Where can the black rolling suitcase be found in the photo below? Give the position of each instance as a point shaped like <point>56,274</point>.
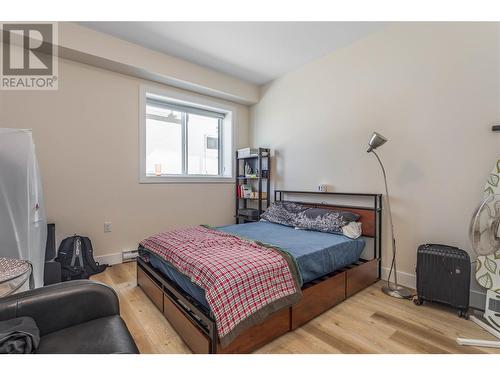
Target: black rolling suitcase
<point>443,275</point>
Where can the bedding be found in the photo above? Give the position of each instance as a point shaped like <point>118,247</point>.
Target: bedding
<point>352,230</point>
<point>323,220</point>
<point>311,218</point>
<point>316,254</point>
<point>244,281</point>
<point>283,213</point>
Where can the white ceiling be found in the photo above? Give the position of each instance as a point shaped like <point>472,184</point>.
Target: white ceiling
<point>257,52</point>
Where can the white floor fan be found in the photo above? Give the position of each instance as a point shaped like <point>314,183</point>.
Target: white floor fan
<point>484,235</point>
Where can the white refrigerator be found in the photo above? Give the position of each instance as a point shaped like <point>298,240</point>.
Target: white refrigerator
<point>23,224</point>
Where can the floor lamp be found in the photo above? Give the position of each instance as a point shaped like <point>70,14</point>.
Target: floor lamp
<point>396,290</point>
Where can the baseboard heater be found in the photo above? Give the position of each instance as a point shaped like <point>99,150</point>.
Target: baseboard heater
<point>129,256</point>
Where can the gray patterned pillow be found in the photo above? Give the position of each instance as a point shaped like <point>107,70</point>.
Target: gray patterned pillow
<point>284,213</point>
<point>323,220</point>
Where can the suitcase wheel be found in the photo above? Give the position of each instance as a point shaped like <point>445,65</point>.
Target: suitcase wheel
<point>463,314</point>
<point>418,301</point>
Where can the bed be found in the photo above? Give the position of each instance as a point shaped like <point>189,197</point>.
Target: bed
<point>329,265</point>
<point>317,254</point>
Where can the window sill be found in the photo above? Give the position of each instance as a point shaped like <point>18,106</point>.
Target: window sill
<point>150,179</point>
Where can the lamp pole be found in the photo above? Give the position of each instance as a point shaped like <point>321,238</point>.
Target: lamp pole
<point>396,291</point>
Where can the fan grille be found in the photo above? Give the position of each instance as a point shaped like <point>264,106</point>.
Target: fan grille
<point>485,224</point>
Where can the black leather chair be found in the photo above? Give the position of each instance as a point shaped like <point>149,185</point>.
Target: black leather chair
<point>80,316</point>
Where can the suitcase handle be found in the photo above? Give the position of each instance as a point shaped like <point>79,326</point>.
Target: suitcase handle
<point>441,245</point>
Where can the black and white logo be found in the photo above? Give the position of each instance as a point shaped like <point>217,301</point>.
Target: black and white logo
<point>29,56</point>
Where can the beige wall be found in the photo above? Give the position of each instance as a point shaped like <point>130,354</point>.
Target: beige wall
<point>86,134</point>
<point>81,44</point>
<point>432,89</point>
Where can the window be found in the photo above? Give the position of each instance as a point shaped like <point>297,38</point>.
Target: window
<point>184,141</point>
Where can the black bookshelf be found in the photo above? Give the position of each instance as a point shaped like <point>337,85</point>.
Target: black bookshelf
<point>261,183</point>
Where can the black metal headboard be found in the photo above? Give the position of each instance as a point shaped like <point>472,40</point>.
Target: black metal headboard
<point>370,215</point>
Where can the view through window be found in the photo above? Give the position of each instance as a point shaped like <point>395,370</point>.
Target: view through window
<point>182,140</point>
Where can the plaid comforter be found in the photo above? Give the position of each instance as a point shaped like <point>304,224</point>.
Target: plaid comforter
<point>244,281</point>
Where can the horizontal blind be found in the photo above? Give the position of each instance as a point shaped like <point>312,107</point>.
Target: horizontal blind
<point>183,108</point>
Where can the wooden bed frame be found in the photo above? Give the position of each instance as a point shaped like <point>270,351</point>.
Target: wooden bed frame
<point>197,327</point>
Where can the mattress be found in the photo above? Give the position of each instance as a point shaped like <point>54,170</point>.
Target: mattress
<point>317,254</point>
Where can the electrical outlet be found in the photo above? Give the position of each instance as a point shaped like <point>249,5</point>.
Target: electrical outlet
<point>322,188</point>
<point>107,227</point>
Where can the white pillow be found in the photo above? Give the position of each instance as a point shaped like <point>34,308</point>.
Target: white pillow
<point>352,230</point>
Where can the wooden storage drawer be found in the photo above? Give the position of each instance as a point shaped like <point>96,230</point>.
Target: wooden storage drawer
<point>318,298</point>
<point>361,276</point>
<point>254,337</point>
<point>197,341</point>
<point>152,290</point>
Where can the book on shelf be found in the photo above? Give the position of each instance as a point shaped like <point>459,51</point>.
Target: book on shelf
<point>246,191</point>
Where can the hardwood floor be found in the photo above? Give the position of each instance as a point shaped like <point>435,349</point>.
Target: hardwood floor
<point>368,322</point>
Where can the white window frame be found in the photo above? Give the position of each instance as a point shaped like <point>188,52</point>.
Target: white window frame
<point>193,101</point>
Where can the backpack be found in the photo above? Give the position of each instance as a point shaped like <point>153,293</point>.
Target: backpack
<point>77,259</point>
